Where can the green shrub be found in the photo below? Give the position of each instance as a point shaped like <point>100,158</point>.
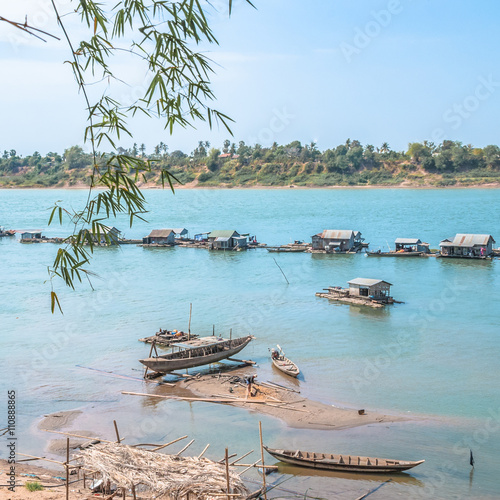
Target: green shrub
<point>33,486</point>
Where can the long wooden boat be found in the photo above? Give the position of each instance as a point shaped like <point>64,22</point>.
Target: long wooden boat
<point>209,351</point>
<point>394,254</point>
<point>346,463</point>
<point>282,363</point>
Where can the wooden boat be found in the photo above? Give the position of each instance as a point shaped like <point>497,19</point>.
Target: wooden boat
<point>282,363</point>
<point>346,463</point>
<point>393,253</point>
<point>199,352</point>
<point>285,249</point>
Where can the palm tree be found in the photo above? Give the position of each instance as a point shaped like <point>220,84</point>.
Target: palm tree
<point>385,148</point>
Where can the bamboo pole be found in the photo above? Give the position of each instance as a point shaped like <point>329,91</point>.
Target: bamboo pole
<point>41,458</point>
<point>78,436</point>
<point>189,325</point>
<point>117,433</point>
<point>185,447</point>
<point>207,400</point>
<point>150,353</point>
<point>168,444</point>
<point>67,468</point>
<point>227,475</point>
<point>249,467</point>
<point>262,455</point>
<point>204,450</point>
<point>242,457</point>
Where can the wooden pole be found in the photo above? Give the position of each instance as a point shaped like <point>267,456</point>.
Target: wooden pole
<point>185,447</point>
<point>262,457</point>
<point>189,325</point>
<point>150,353</point>
<point>67,468</point>
<point>133,492</point>
<point>169,443</point>
<point>230,333</point>
<point>283,275</point>
<point>227,475</point>
<point>242,457</point>
<point>213,330</point>
<point>117,434</point>
<point>204,450</point>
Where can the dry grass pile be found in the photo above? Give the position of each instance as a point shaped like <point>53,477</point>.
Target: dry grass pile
<point>162,475</point>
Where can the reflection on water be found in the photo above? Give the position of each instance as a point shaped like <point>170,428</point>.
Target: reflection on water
<point>401,477</point>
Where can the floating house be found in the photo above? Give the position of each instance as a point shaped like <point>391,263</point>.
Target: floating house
<point>362,291</point>
<point>108,235</point>
<point>160,237</point>
<point>31,235</point>
<point>411,245</point>
<point>473,246</point>
<point>372,288</point>
<point>226,240</point>
<point>181,232</point>
<point>337,240</point>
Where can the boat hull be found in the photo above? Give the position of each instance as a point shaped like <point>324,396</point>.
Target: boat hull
<point>395,254</point>
<point>349,463</point>
<point>286,366</point>
<point>195,357</point>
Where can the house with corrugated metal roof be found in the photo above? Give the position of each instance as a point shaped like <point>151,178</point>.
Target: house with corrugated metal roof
<point>362,291</point>
<point>226,240</point>
<point>411,245</point>
<point>31,235</point>
<point>373,288</point>
<point>180,232</point>
<point>475,246</point>
<point>337,240</point>
<point>160,237</point>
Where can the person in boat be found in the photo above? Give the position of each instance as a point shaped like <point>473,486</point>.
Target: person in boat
<point>274,354</point>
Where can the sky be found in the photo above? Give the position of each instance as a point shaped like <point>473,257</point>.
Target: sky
<point>395,71</point>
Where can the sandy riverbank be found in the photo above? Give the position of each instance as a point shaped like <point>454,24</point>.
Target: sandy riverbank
<point>46,476</point>
<point>286,404</point>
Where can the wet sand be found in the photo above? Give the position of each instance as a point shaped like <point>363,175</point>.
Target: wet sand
<point>288,406</point>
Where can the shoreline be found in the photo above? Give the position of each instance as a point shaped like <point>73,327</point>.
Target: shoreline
<point>190,186</point>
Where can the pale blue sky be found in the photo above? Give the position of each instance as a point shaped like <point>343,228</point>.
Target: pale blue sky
<point>391,71</point>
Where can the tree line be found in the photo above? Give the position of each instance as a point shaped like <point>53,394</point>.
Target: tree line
<point>233,163</point>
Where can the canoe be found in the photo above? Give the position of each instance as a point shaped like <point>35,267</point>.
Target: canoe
<point>346,463</point>
<point>395,254</point>
<point>282,363</point>
<point>208,352</point>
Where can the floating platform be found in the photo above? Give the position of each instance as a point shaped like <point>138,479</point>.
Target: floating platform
<point>341,295</point>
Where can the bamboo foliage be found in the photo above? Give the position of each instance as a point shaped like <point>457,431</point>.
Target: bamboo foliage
<point>163,37</point>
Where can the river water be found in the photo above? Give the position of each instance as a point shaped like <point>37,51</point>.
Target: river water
<point>433,358</point>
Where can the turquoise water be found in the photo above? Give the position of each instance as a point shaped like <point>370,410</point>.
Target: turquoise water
<point>435,357</point>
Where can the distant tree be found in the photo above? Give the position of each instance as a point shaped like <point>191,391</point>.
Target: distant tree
<point>142,149</point>
<point>13,153</point>
<point>226,145</point>
<point>385,148</point>
<point>213,159</point>
<point>74,157</point>
<point>418,151</point>
<point>5,154</point>
<point>491,156</point>
<point>178,155</point>
<point>134,151</point>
